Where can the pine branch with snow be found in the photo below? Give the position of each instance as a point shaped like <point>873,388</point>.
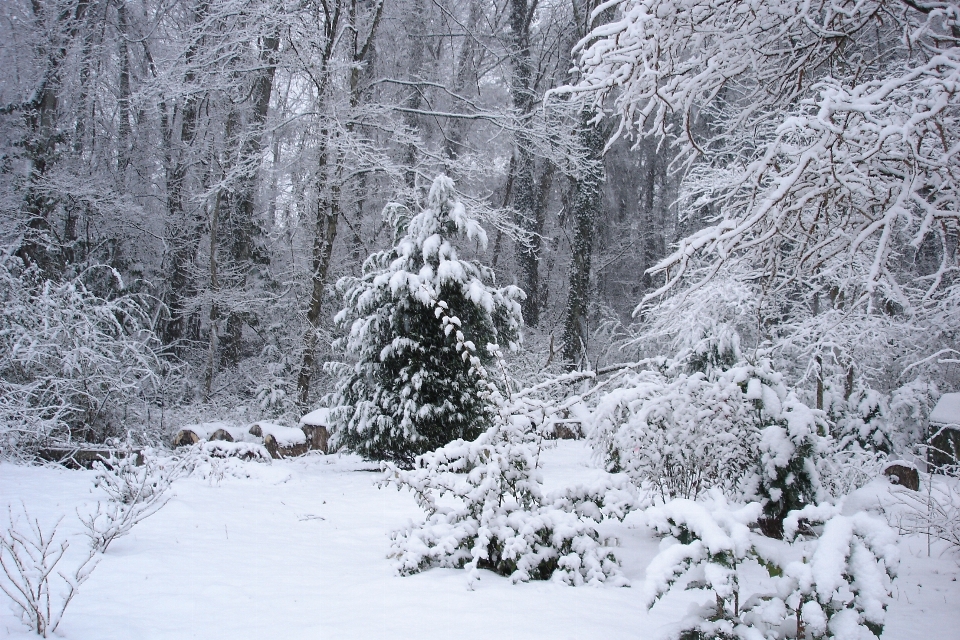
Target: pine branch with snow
<point>834,581</point>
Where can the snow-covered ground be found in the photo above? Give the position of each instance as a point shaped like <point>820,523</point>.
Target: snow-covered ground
<point>298,550</point>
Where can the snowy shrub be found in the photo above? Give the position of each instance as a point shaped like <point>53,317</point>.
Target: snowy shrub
<point>934,511</point>
<point>135,492</point>
<point>738,429</point>
<point>29,556</point>
<point>886,423</point>
<point>843,471</point>
<point>217,459</point>
<point>486,510</point>
<point>69,360</point>
<point>868,427</point>
<point>411,389</point>
<point>680,436</point>
<point>910,404</point>
<point>862,421</point>
<point>241,450</point>
<point>792,449</point>
<point>836,583</point>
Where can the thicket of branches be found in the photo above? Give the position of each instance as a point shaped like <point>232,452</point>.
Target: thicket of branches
<point>200,173</point>
<point>222,164</point>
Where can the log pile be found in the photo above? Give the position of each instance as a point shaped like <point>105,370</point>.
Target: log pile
<point>279,441</point>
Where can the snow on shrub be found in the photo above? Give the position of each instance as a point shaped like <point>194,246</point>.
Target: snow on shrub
<point>875,421</point>
<point>30,565</point>
<point>737,429</point>
<point>934,511</point>
<point>832,581</point>
<point>862,420</point>
<point>486,509</point>
<point>679,436</point>
<point>241,450</point>
<point>69,359</point>
<point>136,489</point>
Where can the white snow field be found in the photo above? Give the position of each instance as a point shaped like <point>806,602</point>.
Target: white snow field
<point>298,550</point>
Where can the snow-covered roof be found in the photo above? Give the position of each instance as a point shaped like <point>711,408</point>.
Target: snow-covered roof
<point>947,410</point>
<point>317,418</point>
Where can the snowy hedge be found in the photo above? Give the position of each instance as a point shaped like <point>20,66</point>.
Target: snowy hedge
<point>70,361</point>
<point>737,429</point>
<point>486,509</point>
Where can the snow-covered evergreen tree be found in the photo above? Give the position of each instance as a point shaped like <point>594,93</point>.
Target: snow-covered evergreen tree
<point>830,576</point>
<point>411,389</point>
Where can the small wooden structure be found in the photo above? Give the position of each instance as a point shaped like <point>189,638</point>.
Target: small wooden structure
<point>944,440</point>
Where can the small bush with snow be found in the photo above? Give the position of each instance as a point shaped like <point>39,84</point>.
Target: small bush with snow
<point>134,492</point>
<point>29,558</point>
<point>699,423</point>
<point>831,580</point>
<point>70,360</point>
<point>870,420</point>
<point>501,519</point>
<point>240,450</point>
<point>934,511</point>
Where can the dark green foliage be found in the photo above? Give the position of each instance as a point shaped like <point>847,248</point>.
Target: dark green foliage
<point>412,389</point>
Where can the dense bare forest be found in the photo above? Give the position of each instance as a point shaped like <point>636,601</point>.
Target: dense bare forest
<point>185,182</point>
<point>270,243</point>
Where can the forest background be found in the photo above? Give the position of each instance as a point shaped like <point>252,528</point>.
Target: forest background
<point>183,182</point>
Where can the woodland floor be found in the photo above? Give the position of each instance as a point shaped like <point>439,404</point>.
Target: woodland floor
<point>298,550</point>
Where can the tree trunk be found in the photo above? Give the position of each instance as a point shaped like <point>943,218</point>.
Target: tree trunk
<point>183,228</point>
<point>587,203</point>
<point>123,100</point>
<point>40,246</point>
<point>528,201</point>
<point>214,311</point>
<point>466,72</point>
<point>243,248</point>
<point>328,209</point>
<point>328,214</point>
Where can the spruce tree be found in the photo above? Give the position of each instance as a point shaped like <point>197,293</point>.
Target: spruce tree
<point>411,390</point>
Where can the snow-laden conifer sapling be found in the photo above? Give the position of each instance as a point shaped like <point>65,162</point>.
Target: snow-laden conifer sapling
<point>503,520</point>
<point>833,581</point>
<point>410,390</point>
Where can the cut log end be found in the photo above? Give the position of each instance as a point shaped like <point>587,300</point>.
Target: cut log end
<point>567,431</point>
<point>276,450</point>
<point>221,434</point>
<point>185,438</point>
<point>317,437</point>
<point>903,475</point>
